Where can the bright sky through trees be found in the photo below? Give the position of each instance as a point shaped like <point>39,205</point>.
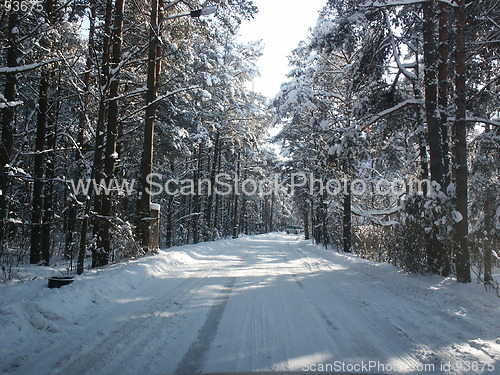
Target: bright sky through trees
<point>281,24</point>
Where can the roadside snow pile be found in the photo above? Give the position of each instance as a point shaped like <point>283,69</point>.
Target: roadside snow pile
<point>30,310</point>
<point>444,292</point>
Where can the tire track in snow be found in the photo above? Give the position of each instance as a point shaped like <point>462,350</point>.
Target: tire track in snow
<point>113,348</point>
<point>131,336</point>
<point>447,336</point>
<point>356,317</point>
<point>193,360</point>
<point>327,320</point>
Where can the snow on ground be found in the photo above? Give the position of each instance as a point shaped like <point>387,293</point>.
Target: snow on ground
<point>268,302</point>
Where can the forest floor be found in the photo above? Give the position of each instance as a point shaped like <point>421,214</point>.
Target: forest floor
<point>270,302</point>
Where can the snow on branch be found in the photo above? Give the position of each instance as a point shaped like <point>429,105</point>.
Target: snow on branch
<point>372,215</point>
<point>160,98</point>
<point>478,119</point>
<point>127,95</point>
<point>171,4</point>
<point>25,68</point>
<point>486,86</point>
<point>483,120</point>
<point>410,75</point>
<point>7,104</point>
<point>391,110</point>
<point>483,42</point>
<point>392,3</point>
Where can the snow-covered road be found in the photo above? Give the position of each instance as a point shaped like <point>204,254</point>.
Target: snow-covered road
<point>268,302</point>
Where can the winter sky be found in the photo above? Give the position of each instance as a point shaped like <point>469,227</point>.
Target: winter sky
<point>281,24</point>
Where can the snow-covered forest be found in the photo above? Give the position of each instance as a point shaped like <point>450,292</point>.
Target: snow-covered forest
<point>198,226</point>
<point>401,91</point>
<point>101,89</point>
<point>112,91</point>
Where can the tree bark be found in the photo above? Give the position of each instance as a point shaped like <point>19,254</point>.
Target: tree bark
<point>436,247</point>
<point>444,256</point>
<point>104,237</point>
<point>96,172</point>
<point>324,218</point>
<point>73,206</point>
<point>271,213</point>
<point>443,85</point>
<point>210,198</point>
<point>431,93</point>
<point>48,214</point>
<point>347,222</point>
<point>217,196</point>
<point>306,223</point>
<point>462,258</point>
<point>317,220</point>
<point>147,152</point>
<point>8,118</point>
<point>37,203</point>
<point>422,144</point>
<point>98,162</point>
<point>236,212</point>
<point>42,196</point>
<point>169,220</point>
<point>195,219</point>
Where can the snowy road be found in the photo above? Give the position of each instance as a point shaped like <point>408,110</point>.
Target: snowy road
<point>268,302</point>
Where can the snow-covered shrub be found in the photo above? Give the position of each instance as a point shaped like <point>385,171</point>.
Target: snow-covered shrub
<point>413,234</point>
<point>375,242</point>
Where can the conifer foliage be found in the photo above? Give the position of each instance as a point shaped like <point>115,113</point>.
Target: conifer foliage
<point>400,92</point>
<point>85,85</point>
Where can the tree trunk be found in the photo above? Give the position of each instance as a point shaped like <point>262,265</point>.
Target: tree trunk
<point>105,82</point>
<point>317,231</point>
<point>443,90</point>
<point>431,93</point>
<point>195,219</point>
<point>104,237</point>
<point>462,258</point>
<point>306,224</point>
<point>210,198</point>
<point>37,203</point>
<point>49,175</point>
<point>217,218</point>
<point>169,220</point>
<point>73,206</point>
<point>96,173</point>
<point>243,224</point>
<point>264,206</point>
<point>236,212</point>
<point>422,140</point>
<point>8,119</point>
<point>436,247</point>
<point>271,213</point>
<point>147,152</point>
<point>324,218</point>
<point>347,222</point>
<point>444,256</point>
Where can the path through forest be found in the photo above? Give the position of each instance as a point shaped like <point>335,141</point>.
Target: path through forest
<point>267,302</point>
